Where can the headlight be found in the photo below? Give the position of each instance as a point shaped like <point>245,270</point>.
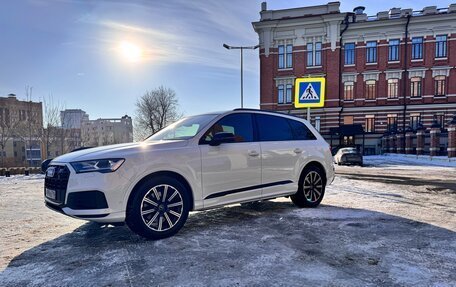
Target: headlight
<point>98,165</point>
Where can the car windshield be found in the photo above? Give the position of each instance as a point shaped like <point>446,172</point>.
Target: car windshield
<point>183,129</point>
<point>349,150</point>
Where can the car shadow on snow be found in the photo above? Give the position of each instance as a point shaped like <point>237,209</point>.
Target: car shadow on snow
<point>267,243</point>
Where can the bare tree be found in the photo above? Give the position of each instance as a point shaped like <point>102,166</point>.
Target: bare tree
<point>8,127</point>
<point>155,110</point>
<point>49,135</point>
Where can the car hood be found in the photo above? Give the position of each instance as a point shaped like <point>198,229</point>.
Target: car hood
<point>119,150</point>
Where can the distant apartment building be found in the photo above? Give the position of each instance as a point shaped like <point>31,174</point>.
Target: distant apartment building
<point>21,123</point>
<point>107,131</point>
<point>72,118</point>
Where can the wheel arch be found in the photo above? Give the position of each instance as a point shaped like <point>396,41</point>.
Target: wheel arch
<point>173,174</point>
<point>313,164</point>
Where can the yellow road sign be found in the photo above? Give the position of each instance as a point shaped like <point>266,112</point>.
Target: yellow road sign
<point>310,92</point>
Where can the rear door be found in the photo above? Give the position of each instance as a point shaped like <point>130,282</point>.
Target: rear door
<point>280,154</point>
<point>231,172</point>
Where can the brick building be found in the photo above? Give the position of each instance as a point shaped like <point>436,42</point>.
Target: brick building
<point>385,73</point>
<point>20,126</point>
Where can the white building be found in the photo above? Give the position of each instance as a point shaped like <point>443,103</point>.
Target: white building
<point>107,131</point>
<point>72,118</point>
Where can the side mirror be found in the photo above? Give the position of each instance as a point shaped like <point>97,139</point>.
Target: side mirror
<point>222,137</point>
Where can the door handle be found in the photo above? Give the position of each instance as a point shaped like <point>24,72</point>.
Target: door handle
<point>253,153</point>
<point>298,150</point>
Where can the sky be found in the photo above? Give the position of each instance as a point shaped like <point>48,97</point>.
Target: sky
<point>101,56</point>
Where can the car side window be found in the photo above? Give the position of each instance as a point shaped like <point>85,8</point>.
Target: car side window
<point>301,131</point>
<point>273,128</point>
<point>240,125</point>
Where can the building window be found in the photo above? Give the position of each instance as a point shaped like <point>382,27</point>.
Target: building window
<point>348,120</point>
<point>440,82</point>
<point>369,124</point>
<point>318,54</point>
<point>393,88</point>
<point>415,87</point>
<point>349,50</point>
<point>370,89</point>
<point>441,46</point>
<point>393,50</point>
<point>314,54</point>
<point>417,48</point>
<point>289,92</point>
<point>371,52</point>
<point>440,118</point>
<point>415,119</point>
<point>348,91</point>
<point>391,122</point>
<point>310,54</point>
<point>280,99</point>
<point>289,56</point>
<point>281,57</point>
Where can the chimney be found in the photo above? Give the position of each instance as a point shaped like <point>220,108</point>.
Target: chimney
<point>264,6</point>
<point>359,10</point>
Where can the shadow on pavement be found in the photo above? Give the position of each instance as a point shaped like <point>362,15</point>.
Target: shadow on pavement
<point>268,243</point>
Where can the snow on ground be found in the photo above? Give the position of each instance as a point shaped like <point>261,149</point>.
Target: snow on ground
<point>389,223</point>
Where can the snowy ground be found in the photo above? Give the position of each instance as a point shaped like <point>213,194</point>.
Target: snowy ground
<point>390,223</point>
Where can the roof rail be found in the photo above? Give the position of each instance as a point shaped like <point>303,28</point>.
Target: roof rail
<point>267,111</point>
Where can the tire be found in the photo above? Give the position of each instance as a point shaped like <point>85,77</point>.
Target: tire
<point>158,208</point>
<point>311,188</point>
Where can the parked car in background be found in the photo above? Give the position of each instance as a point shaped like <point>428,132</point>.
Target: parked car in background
<point>348,155</point>
<point>199,162</point>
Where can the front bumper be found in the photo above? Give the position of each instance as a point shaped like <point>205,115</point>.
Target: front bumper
<point>90,196</point>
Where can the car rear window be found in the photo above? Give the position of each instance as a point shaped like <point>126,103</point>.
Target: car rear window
<point>301,131</point>
<point>273,128</point>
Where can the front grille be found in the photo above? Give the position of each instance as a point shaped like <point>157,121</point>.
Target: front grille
<point>58,182</point>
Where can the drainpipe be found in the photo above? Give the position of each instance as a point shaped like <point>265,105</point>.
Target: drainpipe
<point>404,85</point>
<point>347,23</point>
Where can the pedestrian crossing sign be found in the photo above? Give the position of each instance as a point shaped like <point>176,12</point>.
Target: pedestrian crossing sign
<point>309,92</point>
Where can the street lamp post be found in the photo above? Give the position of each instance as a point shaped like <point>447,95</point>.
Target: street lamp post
<point>242,60</point>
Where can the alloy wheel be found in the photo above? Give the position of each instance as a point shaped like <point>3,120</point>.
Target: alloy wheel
<point>313,186</point>
<point>161,207</point>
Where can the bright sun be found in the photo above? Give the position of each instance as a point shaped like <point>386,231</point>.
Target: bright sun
<point>130,51</point>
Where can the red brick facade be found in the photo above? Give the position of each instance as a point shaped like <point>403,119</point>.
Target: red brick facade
<point>425,107</point>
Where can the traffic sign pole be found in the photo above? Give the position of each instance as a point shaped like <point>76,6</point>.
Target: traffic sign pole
<point>308,114</point>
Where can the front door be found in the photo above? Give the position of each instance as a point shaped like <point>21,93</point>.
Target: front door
<point>231,171</point>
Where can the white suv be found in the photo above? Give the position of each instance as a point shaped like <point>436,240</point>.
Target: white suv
<point>199,162</point>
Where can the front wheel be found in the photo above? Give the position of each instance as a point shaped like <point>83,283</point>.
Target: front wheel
<point>159,208</point>
<point>311,188</point>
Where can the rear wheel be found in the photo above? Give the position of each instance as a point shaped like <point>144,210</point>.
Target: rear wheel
<point>159,208</point>
<point>311,188</point>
